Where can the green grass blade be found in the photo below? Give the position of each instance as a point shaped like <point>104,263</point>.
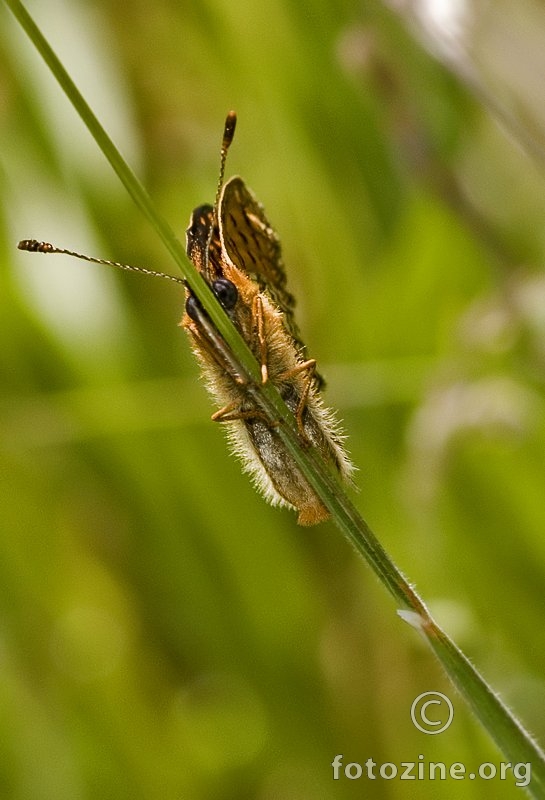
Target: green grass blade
<point>509,735</point>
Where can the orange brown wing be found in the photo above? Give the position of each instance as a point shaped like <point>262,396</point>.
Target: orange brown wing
<point>252,245</point>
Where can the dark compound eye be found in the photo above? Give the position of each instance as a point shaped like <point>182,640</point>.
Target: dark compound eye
<point>226,292</point>
<point>193,308</point>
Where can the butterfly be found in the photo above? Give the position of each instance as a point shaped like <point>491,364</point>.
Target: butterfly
<point>236,250</point>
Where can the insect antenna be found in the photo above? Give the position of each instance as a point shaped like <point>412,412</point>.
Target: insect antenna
<point>228,135</point>
<point>33,246</point>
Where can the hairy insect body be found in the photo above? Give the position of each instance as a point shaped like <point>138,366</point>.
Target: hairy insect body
<point>262,324</point>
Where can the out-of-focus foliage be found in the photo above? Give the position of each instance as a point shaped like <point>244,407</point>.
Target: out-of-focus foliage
<point>164,634</point>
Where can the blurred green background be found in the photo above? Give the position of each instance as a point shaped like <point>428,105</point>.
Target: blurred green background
<point>163,632</point>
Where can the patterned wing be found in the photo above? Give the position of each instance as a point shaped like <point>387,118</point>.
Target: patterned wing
<point>253,246</point>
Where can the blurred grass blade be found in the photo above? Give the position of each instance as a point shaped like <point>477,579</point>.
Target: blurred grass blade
<point>509,735</point>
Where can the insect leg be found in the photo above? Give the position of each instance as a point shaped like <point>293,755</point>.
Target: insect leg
<point>257,312</point>
<point>310,368</point>
<point>232,412</point>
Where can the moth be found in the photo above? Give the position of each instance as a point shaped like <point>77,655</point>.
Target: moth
<point>238,253</point>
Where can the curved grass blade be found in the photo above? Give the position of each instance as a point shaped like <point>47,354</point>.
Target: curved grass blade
<point>508,733</point>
